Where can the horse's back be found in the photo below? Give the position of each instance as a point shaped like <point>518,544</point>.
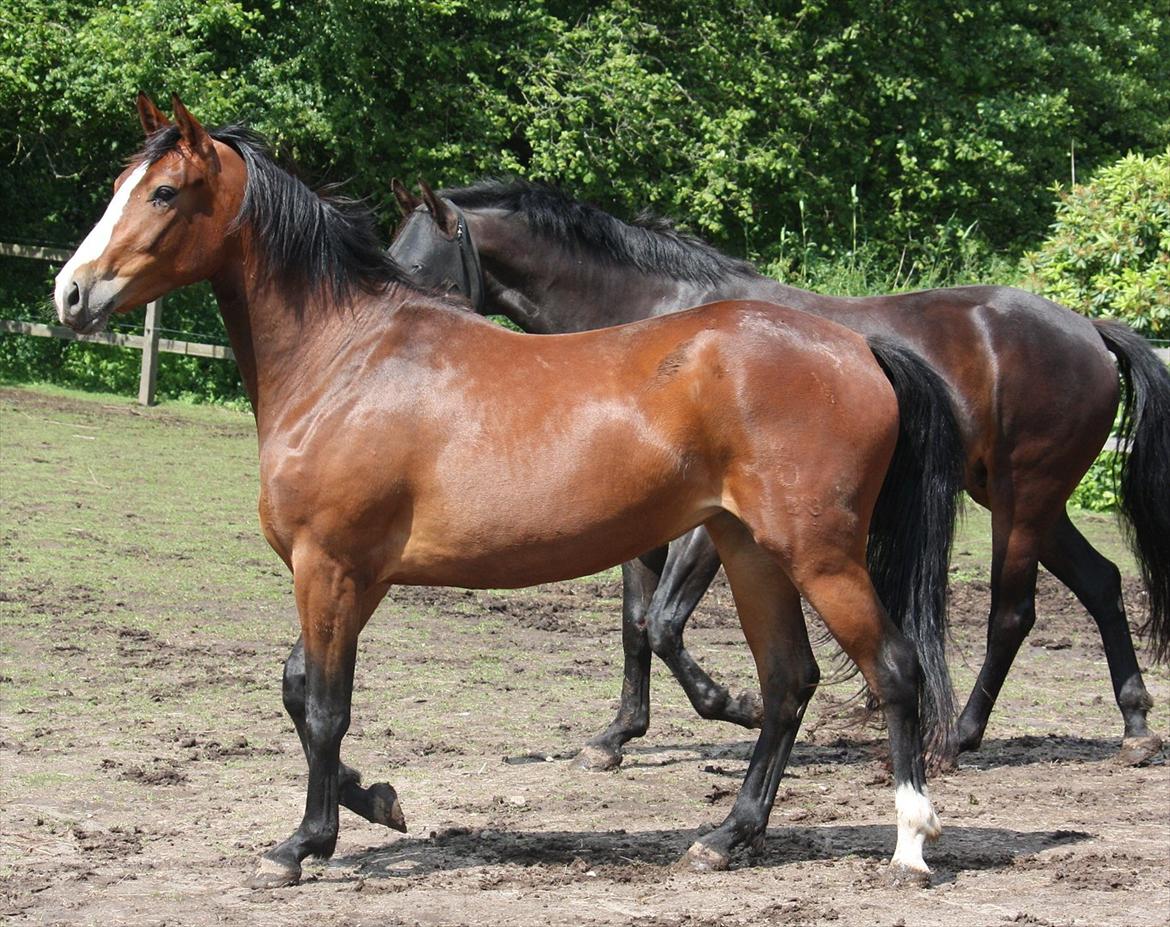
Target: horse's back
<point>1027,375</point>
<point>518,457</point>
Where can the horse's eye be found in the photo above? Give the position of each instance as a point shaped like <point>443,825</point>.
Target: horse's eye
<point>163,195</point>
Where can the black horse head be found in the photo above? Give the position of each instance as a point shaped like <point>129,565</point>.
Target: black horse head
<point>434,246</point>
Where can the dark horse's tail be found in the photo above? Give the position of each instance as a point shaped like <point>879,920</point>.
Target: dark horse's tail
<point>1144,469</point>
<point>913,526</point>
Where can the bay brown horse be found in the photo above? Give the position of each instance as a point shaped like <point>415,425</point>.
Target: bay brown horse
<point>1034,385</point>
<point>405,440</point>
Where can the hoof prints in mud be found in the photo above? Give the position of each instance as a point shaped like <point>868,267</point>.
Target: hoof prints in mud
<point>114,843</point>
<point>158,772</point>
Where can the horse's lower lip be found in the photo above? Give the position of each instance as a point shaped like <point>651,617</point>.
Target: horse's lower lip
<point>94,325</point>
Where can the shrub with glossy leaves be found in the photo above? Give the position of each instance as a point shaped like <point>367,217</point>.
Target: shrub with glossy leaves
<point>1108,254</point>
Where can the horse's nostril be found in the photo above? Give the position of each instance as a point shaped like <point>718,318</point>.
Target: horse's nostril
<point>74,296</point>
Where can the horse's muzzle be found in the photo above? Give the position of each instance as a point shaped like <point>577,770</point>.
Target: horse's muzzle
<point>84,303</point>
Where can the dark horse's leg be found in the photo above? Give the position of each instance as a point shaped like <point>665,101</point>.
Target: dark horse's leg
<point>377,803</point>
<point>1014,562</point>
<point>658,599</point>
<point>770,613</point>
<point>691,566</point>
<point>1097,583</point>
<point>1020,538</point>
<point>639,579</point>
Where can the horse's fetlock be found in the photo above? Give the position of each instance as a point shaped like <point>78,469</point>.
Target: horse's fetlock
<point>712,705</point>
<point>1134,697</point>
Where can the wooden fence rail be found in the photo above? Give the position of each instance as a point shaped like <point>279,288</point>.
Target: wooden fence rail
<point>150,342</point>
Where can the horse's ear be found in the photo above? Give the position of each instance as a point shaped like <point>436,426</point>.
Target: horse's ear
<point>444,217</point>
<point>195,135</point>
<point>407,201</point>
<point>151,117</point>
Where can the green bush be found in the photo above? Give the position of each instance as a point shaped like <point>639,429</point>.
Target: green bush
<point>1108,254</point>
<point>1097,488</point>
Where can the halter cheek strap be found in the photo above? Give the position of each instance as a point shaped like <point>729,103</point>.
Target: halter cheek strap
<point>472,285</point>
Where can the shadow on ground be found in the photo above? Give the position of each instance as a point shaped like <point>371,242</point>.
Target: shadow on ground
<point>612,853</point>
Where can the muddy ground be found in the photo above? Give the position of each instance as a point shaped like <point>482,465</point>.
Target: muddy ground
<point>145,762</point>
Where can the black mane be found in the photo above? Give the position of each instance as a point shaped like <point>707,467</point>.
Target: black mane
<point>650,243</point>
<point>314,240</point>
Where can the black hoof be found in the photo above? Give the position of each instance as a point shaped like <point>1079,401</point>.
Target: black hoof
<point>385,808</point>
<point>594,758</point>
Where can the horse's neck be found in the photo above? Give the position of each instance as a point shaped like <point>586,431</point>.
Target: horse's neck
<point>544,289</point>
<point>547,290</point>
<point>281,344</point>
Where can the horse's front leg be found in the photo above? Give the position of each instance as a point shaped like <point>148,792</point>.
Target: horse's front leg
<point>639,579</point>
<point>377,803</point>
<point>334,605</point>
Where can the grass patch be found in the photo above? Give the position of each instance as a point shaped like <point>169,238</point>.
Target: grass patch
<point>971,554</point>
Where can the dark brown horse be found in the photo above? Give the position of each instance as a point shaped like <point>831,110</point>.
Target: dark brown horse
<point>405,440</point>
<point>1035,385</point>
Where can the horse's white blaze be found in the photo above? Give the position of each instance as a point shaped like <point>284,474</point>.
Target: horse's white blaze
<point>917,822</point>
<point>98,239</point>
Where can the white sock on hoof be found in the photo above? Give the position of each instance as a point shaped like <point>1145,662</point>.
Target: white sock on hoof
<point>917,822</point>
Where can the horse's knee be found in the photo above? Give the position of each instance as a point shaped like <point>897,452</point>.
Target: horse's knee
<point>327,722</point>
<point>789,689</point>
<point>665,639</point>
<point>293,690</point>
<point>1015,622</point>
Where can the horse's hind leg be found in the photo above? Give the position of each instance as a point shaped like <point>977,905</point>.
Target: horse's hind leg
<point>769,610</point>
<point>639,579</point>
<point>690,568</point>
<point>1097,583</point>
<point>377,803</point>
<point>839,588</point>
<point>1015,557</point>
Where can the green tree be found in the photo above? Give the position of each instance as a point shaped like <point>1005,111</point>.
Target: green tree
<point>918,128</point>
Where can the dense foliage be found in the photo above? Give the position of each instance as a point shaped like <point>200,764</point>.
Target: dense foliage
<point>919,135</point>
<point>1108,253</point>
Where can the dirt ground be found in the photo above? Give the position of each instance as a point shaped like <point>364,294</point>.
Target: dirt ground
<point>146,761</point>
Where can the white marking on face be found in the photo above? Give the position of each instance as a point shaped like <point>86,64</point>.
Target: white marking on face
<point>98,239</point>
<point>917,823</point>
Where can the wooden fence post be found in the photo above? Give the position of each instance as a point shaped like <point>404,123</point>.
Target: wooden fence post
<point>150,334</point>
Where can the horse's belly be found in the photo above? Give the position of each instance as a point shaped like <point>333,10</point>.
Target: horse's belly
<point>550,525</point>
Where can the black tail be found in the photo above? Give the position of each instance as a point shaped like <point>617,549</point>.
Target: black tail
<point>1144,465</point>
<point>913,526</point>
